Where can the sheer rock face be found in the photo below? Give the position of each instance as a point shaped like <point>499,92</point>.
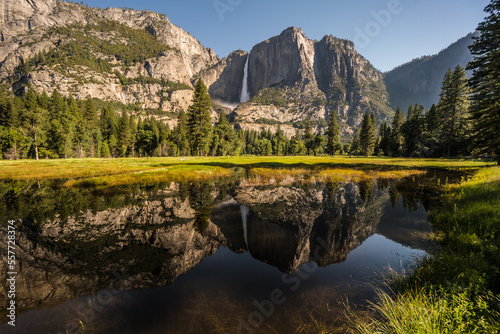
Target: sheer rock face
<point>287,58</point>
<point>225,79</point>
<point>310,78</point>
<point>23,27</point>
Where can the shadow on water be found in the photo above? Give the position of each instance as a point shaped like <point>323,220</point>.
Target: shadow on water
<point>234,256</point>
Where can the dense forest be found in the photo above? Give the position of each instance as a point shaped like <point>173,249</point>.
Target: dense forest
<point>465,122</point>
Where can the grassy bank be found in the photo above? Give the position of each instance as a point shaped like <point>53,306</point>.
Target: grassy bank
<point>137,170</point>
<point>458,289</point>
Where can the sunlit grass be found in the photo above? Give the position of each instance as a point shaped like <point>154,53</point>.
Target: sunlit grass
<point>419,312</point>
<point>175,173</point>
<point>457,290</point>
<point>137,170</point>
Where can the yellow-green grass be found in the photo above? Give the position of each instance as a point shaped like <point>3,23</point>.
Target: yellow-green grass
<point>457,290</point>
<point>333,174</point>
<point>126,170</point>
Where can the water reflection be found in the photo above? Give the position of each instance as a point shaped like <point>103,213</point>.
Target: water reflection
<point>236,240</point>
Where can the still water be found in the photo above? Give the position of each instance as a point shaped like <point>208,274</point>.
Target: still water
<point>232,256</point>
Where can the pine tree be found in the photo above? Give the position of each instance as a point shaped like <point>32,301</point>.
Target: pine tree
<point>333,135</point>
<point>384,140</point>
<point>295,144</point>
<point>318,144</point>
<point>414,131</point>
<point>309,138</point>
<point>34,120</point>
<point>224,137</point>
<point>397,138</point>
<point>105,150</point>
<point>485,83</point>
<point>279,142</point>
<point>133,134</point>
<point>124,135</point>
<point>368,134</point>
<point>180,135</point>
<point>454,112</point>
<point>432,124</point>
<point>198,118</point>
<point>90,113</point>
<point>355,146</point>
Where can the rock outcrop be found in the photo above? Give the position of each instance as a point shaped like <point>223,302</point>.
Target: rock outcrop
<point>292,79</point>
<point>30,28</point>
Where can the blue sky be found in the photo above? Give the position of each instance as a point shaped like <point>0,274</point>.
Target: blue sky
<point>387,32</point>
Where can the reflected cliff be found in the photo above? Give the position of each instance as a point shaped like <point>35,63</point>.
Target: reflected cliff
<point>78,241</point>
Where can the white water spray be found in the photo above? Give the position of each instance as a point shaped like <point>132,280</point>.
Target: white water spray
<point>245,95</point>
<point>244,218</point>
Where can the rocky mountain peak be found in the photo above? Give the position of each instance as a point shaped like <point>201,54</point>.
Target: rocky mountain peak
<point>292,78</point>
<point>147,59</point>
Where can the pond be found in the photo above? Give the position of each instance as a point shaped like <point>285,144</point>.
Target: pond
<point>227,256</point>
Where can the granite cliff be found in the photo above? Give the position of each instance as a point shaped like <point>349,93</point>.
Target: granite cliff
<point>292,79</point>
<point>85,51</point>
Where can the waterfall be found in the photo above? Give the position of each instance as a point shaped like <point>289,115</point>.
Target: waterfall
<point>245,95</point>
<point>244,218</point>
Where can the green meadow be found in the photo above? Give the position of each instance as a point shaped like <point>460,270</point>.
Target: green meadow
<point>137,170</point>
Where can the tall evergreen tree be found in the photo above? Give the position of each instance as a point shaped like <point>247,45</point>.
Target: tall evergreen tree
<point>133,134</point>
<point>309,138</point>
<point>355,145</point>
<point>279,142</point>
<point>485,83</point>
<point>453,109</point>
<point>90,113</point>
<point>34,120</point>
<point>432,121</point>
<point>198,119</point>
<point>332,135</point>
<point>384,140</point>
<point>318,144</point>
<point>224,136</point>
<point>124,135</point>
<point>368,134</point>
<point>180,136</point>
<point>397,137</point>
<point>414,131</point>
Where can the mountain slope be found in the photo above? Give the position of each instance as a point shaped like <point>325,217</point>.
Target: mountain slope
<point>419,81</point>
<point>134,57</point>
<point>139,58</point>
<point>292,79</point>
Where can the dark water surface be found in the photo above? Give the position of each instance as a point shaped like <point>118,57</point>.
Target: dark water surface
<point>219,257</point>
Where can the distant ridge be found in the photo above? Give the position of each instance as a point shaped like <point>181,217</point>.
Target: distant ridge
<point>419,81</point>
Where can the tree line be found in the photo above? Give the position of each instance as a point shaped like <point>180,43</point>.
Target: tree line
<point>445,130</point>
<point>41,126</point>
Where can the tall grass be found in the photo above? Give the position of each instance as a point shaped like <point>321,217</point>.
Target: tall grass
<point>457,290</point>
<point>435,312</point>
